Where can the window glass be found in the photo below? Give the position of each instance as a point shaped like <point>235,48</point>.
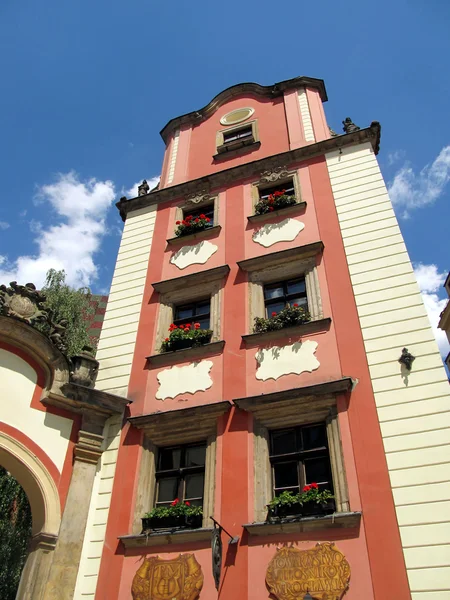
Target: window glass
<point>195,456</point>
<point>167,489</point>
<point>286,475</point>
<point>273,291</point>
<point>181,474</point>
<point>317,471</point>
<point>296,286</point>
<point>314,437</point>
<point>194,486</point>
<point>196,312</point>
<point>207,210</point>
<point>287,186</point>
<point>285,293</point>
<point>169,458</point>
<point>284,441</point>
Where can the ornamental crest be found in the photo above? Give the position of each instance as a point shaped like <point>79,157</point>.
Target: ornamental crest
<point>274,175</point>
<point>180,578</point>
<point>26,303</point>
<point>198,197</point>
<point>322,571</point>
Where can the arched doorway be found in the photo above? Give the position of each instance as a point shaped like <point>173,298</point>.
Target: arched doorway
<point>43,499</point>
<point>15,533</point>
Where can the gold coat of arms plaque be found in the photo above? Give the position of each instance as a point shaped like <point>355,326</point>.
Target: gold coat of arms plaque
<point>180,578</point>
<point>322,571</point>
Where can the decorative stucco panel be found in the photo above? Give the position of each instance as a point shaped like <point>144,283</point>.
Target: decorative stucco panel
<point>285,360</point>
<point>184,380</point>
<point>191,255</point>
<point>272,233</point>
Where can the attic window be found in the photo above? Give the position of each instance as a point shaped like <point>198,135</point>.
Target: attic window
<point>237,116</point>
<point>236,138</point>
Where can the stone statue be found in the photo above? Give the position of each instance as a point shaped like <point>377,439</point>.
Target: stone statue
<point>144,188</point>
<point>332,132</point>
<point>349,126</point>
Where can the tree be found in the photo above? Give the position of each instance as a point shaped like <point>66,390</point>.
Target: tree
<point>15,532</point>
<point>72,305</point>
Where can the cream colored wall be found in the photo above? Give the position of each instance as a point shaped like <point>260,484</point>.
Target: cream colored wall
<point>17,385</point>
<point>173,157</point>
<point>306,115</point>
<point>414,413</point>
<point>115,353</point>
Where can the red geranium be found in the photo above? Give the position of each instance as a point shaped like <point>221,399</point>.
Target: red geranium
<point>175,502</point>
<point>314,486</point>
<point>187,503</point>
<point>178,222</point>
<point>274,314</point>
<point>307,488</point>
<point>166,340</point>
<point>197,325</point>
<point>202,216</point>
<point>295,305</point>
<point>207,219</point>
<point>271,208</point>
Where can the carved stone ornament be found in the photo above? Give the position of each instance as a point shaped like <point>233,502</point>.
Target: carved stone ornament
<point>143,189</point>
<point>198,197</point>
<point>274,175</point>
<point>25,303</point>
<point>180,578</point>
<point>323,572</point>
<point>332,132</point>
<point>84,368</point>
<point>349,126</point>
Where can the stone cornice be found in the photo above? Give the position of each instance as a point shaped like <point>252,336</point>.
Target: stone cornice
<point>253,169</point>
<point>81,400</point>
<point>266,91</point>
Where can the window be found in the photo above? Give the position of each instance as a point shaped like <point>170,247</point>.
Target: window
<point>287,186</point>
<point>286,293</point>
<point>237,137</point>
<point>181,474</point>
<point>300,456</point>
<point>196,312</point>
<point>207,211</point>
<point>237,134</point>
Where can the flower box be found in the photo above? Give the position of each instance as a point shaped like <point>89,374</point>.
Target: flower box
<point>276,201</point>
<point>171,522</point>
<point>290,316</point>
<point>192,224</point>
<point>310,502</point>
<point>184,336</point>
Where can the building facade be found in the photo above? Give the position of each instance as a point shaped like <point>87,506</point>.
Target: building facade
<point>444,321</point>
<point>292,275</point>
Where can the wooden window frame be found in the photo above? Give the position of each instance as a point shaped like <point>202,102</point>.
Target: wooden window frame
<point>186,289</point>
<point>262,467</point>
<point>222,147</point>
<point>174,428</point>
<point>191,320</point>
<point>199,202</point>
<point>281,266</point>
<point>285,177</point>
<point>181,473</point>
<point>286,297</point>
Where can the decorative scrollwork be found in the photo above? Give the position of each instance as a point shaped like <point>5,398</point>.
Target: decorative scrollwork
<point>198,197</point>
<point>274,175</point>
<point>27,304</point>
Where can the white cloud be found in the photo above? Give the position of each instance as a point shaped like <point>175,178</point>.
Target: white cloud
<point>71,243</point>
<point>4,225</point>
<point>133,191</point>
<point>409,190</point>
<point>430,282</point>
<point>395,156</point>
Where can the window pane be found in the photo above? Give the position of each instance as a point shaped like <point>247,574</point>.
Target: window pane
<point>194,486</point>
<point>302,302</point>
<point>273,291</point>
<point>317,470</point>
<point>296,287</point>
<point>204,322</point>
<point>275,307</point>
<point>167,489</point>
<point>314,437</point>
<point>195,456</point>
<point>202,308</point>
<point>286,474</point>
<point>184,312</point>
<point>283,442</point>
<point>288,188</point>
<point>169,458</point>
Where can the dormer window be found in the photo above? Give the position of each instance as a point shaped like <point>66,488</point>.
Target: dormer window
<point>234,139</point>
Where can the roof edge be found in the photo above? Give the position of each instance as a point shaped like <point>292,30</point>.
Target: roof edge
<point>269,91</point>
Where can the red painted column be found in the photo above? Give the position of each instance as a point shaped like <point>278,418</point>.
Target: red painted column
<point>383,538</point>
<point>235,471</point>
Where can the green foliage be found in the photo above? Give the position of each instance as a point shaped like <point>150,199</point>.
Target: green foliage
<point>311,493</point>
<point>176,509</point>
<point>70,305</point>
<point>288,317</point>
<point>185,337</point>
<point>191,225</point>
<point>15,532</point>
<point>274,202</point>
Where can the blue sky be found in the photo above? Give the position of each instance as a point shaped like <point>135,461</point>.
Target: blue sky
<point>88,85</point>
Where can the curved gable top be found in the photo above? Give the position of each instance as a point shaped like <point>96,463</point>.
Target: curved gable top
<point>269,91</point>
